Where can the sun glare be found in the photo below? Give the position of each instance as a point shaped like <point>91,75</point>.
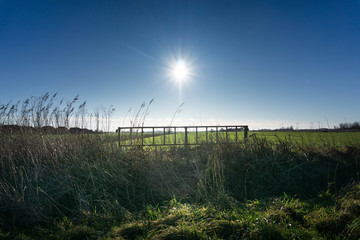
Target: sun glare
<point>180,71</point>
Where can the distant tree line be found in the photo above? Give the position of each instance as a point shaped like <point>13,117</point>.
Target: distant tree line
<point>349,126</point>
<point>291,128</point>
<point>11,129</point>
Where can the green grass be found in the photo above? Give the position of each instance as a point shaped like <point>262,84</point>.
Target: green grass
<point>179,138</point>
<point>324,217</point>
<point>297,138</point>
<point>77,187</point>
<point>309,138</point>
<point>283,217</point>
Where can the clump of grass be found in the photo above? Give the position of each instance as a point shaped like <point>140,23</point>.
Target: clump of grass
<point>262,168</point>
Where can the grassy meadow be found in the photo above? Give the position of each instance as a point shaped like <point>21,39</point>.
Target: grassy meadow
<point>84,186</point>
<point>80,187</point>
<point>334,139</point>
<point>311,138</point>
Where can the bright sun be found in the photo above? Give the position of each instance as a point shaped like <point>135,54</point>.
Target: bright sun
<point>180,71</point>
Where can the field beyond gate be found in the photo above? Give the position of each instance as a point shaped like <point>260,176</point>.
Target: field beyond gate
<point>179,135</point>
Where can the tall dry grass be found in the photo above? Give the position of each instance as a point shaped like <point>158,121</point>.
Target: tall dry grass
<point>50,111</point>
<point>47,176</point>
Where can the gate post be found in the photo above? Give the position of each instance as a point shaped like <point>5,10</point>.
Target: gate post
<point>186,136</point>
<point>246,129</point>
<point>130,136</point>
<point>119,135</point>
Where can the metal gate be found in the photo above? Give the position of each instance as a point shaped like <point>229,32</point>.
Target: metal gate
<point>179,135</point>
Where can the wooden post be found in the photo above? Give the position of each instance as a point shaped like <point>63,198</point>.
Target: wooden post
<point>130,136</point>
<point>186,136</point>
<point>217,139</point>
<point>236,130</point>
<point>206,134</point>
<point>142,136</point>
<point>196,138</point>
<point>175,135</point>
<point>153,136</point>
<point>164,135</point>
<point>246,129</point>
<point>119,130</point>
<point>226,130</point>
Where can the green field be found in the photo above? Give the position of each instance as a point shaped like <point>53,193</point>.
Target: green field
<point>297,138</point>
<point>179,138</point>
<point>310,138</point>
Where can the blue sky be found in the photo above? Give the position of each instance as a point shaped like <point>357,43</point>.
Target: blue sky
<point>263,63</point>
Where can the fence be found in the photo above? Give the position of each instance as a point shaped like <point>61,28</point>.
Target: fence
<point>139,136</point>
